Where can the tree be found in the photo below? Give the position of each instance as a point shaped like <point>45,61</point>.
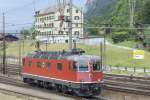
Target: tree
<point>146,12</point>
<point>25,33</point>
<point>93,31</point>
<point>120,36</point>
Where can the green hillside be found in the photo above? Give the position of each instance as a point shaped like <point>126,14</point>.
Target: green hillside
<point>115,56</point>
<point>116,12</point>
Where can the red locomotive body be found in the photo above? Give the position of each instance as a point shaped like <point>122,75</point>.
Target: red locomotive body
<point>66,71</point>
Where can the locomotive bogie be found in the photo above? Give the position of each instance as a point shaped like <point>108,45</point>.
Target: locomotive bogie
<point>80,89</point>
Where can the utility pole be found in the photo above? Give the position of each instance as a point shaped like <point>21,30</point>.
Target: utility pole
<point>132,4</point>
<point>101,55</point>
<point>19,55</point>
<point>82,22</point>
<point>70,25</point>
<point>4,46</point>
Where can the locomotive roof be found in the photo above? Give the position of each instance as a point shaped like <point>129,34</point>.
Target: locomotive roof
<point>49,55</point>
<point>64,55</point>
<point>79,58</point>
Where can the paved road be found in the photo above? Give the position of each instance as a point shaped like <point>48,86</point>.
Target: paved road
<point>92,41</point>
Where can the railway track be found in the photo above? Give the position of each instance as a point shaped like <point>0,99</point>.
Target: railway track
<point>18,83</point>
<point>122,83</point>
<point>129,84</point>
<point>11,69</point>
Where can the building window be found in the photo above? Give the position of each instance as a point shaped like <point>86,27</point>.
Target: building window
<point>77,11</point>
<point>76,33</point>
<point>67,18</point>
<point>68,24</point>
<point>68,10</point>
<point>60,32</point>
<point>77,25</point>
<point>67,33</point>
<point>76,17</point>
<point>52,17</point>
<point>51,25</point>
<point>49,33</point>
<point>59,66</point>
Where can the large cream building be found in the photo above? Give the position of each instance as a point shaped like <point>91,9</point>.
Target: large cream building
<point>47,24</point>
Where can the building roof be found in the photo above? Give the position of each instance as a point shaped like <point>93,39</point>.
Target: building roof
<point>9,38</point>
<point>51,9</point>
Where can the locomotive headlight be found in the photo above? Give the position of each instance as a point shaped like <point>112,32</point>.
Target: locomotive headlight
<point>99,80</point>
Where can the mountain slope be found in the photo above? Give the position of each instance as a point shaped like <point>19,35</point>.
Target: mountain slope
<point>98,7</point>
<point>113,11</point>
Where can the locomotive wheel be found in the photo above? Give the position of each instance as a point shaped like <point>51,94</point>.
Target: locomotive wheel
<point>65,89</point>
<point>46,85</point>
<point>25,80</point>
<point>50,86</point>
<point>59,88</point>
<point>31,82</point>
<point>40,83</point>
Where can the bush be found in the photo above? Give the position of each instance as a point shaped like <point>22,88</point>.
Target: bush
<point>133,35</point>
<point>120,36</point>
<point>93,31</point>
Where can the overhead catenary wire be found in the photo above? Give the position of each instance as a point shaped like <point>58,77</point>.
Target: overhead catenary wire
<point>19,8</point>
<point>20,24</point>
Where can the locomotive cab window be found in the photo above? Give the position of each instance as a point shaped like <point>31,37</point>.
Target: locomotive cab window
<point>83,67</point>
<point>96,66</point>
<point>59,66</point>
<point>74,65</point>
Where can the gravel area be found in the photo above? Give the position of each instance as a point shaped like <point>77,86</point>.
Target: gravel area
<point>5,95</point>
<point>34,92</point>
<point>112,95</point>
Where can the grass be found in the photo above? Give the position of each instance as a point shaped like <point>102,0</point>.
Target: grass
<point>114,56</point>
<point>131,44</point>
<point>129,73</point>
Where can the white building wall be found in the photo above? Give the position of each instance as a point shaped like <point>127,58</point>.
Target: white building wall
<point>42,22</point>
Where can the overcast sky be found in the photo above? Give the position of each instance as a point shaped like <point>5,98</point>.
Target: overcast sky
<point>19,13</point>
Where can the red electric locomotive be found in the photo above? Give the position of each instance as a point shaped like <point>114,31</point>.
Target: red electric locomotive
<point>64,71</point>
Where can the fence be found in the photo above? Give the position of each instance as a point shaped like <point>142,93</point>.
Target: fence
<point>127,69</point>
<point>11,60</point>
